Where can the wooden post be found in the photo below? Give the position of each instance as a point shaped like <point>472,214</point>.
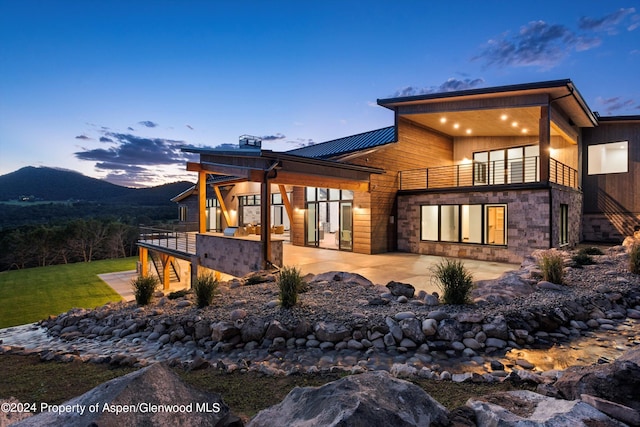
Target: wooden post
<point>202,202</point>
<point>545,143</point>
<point>265,220</point>
<point>144,261</point>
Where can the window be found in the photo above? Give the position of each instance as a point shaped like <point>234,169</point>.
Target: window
<point>182,213</point>
<point>480,224</point>
<point>506,166</point>
<point>608,158</point>
<point>429,222</point>
<point>471,223</point>
<point>496,225</point>
<point>449,231</point>
<point>564,224</point>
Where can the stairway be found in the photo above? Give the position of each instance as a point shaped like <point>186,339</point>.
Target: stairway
<point>174,269</point>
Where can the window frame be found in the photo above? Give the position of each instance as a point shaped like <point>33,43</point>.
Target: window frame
<point>591,153</point>
<point>459,227</point>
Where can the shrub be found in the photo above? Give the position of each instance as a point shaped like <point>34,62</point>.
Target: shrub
<point>205,288</point>
<point>582,258</point>
<point>634,259</point>
<point>290,283</point>
<point>178,294</point>
<point>454,280</point>
<point>552,266</point>
<point>143,288</point>
<point>591,251</point>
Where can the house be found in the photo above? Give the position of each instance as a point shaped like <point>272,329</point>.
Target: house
<point>488,174</point>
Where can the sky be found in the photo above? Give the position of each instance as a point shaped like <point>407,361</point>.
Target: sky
<point>113,89</point>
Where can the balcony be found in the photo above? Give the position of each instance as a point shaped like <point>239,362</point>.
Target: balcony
<point>180,243</point>
<point>474,174</point>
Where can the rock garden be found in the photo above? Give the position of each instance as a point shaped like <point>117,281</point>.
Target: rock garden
<point>343,322</point>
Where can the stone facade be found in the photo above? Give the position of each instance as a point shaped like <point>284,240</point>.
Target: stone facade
<point>529,225</point>
<point>233,255</point>
<point>608,227</point>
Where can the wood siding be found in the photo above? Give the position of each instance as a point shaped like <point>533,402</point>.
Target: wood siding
<point>611,201</point>
<point>375,212</point>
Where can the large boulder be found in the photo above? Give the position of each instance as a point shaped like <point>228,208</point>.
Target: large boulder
<point>134,396</point>
<point>398,288</point>
<point>525,408</point>
<point>503,289</point>
<point>342,276</point>
<point>369,399</point>
<point>617,382</point>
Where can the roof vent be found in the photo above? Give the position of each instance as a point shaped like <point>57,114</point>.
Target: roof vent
<point>250,142</point>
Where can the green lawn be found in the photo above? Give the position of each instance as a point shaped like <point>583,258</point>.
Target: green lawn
<point>33,294</point>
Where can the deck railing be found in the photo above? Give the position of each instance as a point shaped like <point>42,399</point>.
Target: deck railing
<point>179,241</point>
<point>499,172</point>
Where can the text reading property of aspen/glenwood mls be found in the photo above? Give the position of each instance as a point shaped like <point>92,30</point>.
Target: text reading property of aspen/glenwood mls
<point>141,407</point>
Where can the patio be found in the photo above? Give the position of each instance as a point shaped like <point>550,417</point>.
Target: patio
<point>380,268</point>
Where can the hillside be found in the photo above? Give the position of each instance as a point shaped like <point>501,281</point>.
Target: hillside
<point>50,184</point>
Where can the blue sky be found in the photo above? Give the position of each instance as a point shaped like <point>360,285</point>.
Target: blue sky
<point>113,88</point>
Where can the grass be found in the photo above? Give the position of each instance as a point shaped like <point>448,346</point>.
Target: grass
<point>29,380</point>
<point>33,294</point>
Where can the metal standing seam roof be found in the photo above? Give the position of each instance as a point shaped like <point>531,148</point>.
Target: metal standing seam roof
<point>348,144</point>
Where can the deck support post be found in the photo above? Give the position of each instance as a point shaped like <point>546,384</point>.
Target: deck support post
<point>143,254</point>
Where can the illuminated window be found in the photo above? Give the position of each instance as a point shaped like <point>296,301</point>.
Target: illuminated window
<point>608,158</point>
<point>480,224</point>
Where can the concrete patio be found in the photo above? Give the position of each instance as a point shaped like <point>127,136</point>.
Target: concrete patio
<point>380,268</point>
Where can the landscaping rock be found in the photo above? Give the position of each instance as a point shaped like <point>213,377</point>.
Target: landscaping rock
<point>155,384</point>
<point>398,288</point>
<point>369,399</point>
<point>526,408</point>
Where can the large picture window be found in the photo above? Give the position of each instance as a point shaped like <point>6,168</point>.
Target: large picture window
<point>608,158</point>
<point>480,224</point>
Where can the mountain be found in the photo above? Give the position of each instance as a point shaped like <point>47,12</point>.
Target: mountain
<point>50,184</point>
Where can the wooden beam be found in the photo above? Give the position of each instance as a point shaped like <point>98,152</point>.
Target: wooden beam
<point>286,202</point>
<point>144,261</point>
<point>310,180</point>
<point>219,169</point>
<point>223,205</point>
<point>202,202</point>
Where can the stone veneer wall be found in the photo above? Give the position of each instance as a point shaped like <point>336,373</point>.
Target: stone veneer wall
<point>234,256</point>
<point>527,223</point>
<point>574,199</point>
<point>611,227</point>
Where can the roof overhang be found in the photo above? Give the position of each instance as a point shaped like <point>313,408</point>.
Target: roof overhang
<point>478,111</point>
<point>282,168</point>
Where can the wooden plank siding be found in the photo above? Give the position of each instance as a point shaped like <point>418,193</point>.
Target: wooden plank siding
<point>417,147</point>
<point>617,192</point>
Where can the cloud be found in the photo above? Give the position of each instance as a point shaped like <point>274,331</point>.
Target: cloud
<point>84,137</point>
<point>616,105</point>
<point>302,142</point>
<point>105,139</point>
<point>148,124</point>
<point>536,44</point>
<point>276,137</point>
<point>450,85</point>
<point>134,150</point>
<point>545,45</point>
<point>608,23</point>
